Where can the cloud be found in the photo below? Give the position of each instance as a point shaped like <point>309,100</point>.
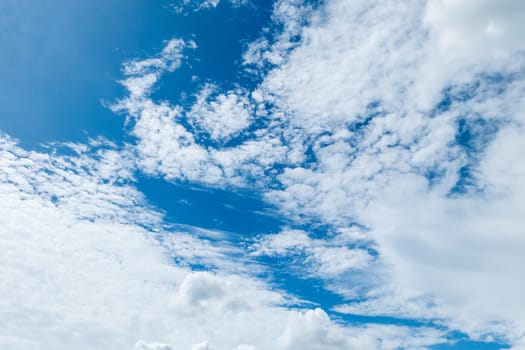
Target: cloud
<point>140,345</point>
<point>182,6</point>
<point>321,258</point>
<point>404,118</point>
<point>168,147</point>
<point>222,116</point>
<point>361,86</point>
<point>86,263</point>
<point>312,330</point>
<point>477,28</point>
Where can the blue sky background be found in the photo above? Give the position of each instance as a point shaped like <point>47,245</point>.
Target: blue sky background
<point>61,64</point>
<point>60,60</point>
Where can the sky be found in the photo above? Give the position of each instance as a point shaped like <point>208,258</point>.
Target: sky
<point>262,175</point>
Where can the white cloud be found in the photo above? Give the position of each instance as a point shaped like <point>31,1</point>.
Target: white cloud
<point>210,3</point>
<point>140,345</point>
<point>476,29</point>
<point>167,147</point>
<point>363,106</point>
<point>323,258</point>
<point>221,116</point>
<point>313,330</point>
<point>141,75</point>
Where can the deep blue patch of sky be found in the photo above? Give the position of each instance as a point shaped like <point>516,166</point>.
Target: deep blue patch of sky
<point>460,341</point>
<point>242,213</point>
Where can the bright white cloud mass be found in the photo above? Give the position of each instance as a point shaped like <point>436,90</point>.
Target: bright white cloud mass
<point>398,126</point>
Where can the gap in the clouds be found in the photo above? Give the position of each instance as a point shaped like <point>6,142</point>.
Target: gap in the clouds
<point>221,35</point>
<point>473,135</point>
<point>238,217</point>
<point>310,290</point>
<point>486,85</point>
<point>474,132</point>
<point>240,212</point>
<point>313,291</point>
<point>461,341</point>
<point>469,345</point>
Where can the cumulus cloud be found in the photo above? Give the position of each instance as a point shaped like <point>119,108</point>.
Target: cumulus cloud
<point>169,148</point>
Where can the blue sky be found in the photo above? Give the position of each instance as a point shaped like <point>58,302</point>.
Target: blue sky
<point>241,174</point>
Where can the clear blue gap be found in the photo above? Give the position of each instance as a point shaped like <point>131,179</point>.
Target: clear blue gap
<point>309,290</point>
<point>241,212</point>
<point>221,35</point>
<point>473,136</point>
<point>469,345</point>
<point>312,292</point>
<point>461,341</point>
<point>246,216</point>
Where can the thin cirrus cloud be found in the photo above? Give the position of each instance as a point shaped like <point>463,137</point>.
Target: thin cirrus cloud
<point>396,125</point>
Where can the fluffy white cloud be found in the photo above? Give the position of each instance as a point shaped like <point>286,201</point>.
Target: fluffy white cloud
<point>404,117</point>
<point>167,147</point>
<point>142,75</point>
<point>398,172</point>
<point>222,116</point>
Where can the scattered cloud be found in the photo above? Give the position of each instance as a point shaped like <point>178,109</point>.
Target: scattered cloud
<point>324,258</point>
<point>403,118</point>
<point>182,6</point>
